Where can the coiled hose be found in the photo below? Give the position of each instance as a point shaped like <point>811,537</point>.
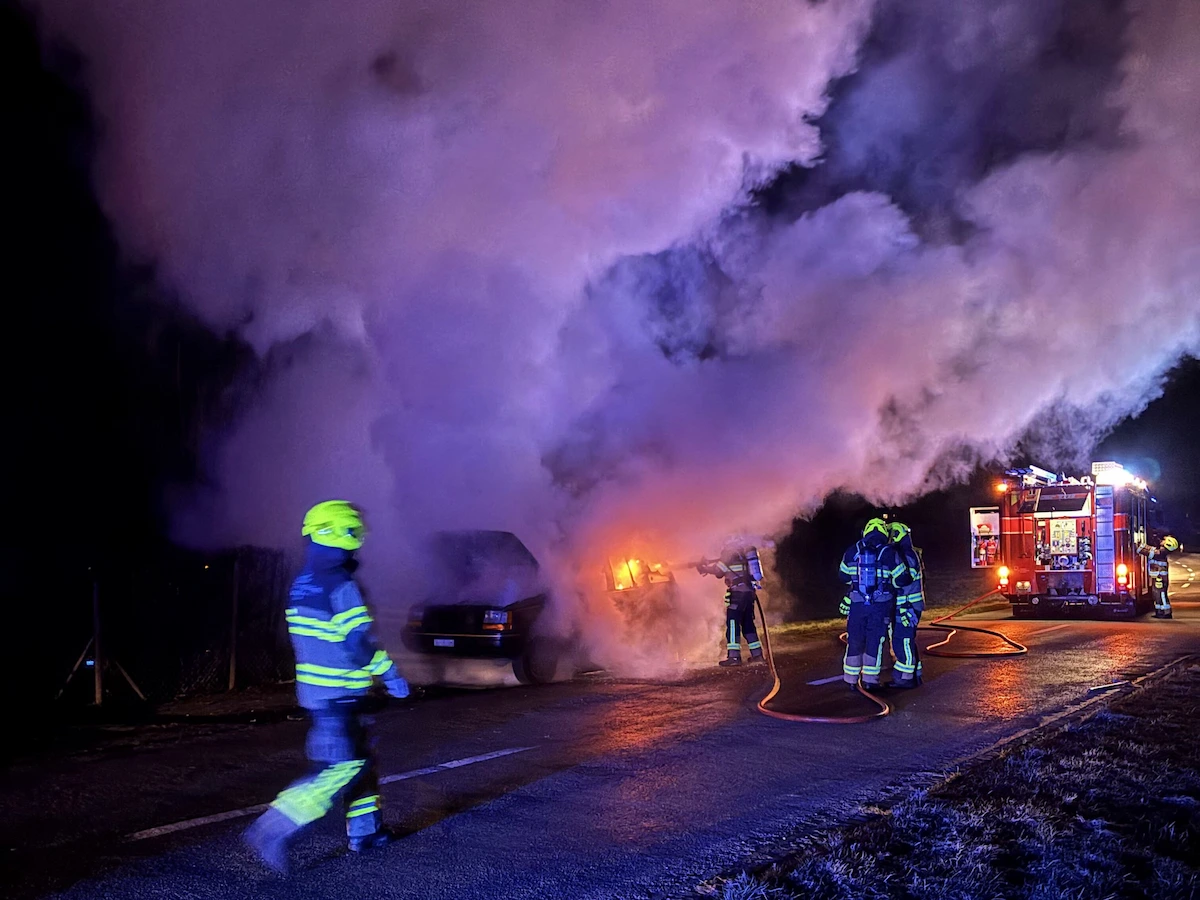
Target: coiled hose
<point>1014,649</point>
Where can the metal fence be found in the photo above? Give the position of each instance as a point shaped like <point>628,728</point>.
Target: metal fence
<point>179,625</point>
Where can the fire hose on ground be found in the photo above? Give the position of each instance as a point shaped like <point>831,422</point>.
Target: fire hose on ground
<point>884,708</point>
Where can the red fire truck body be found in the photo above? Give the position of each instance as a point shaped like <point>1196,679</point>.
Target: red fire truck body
<point>1071,544</point>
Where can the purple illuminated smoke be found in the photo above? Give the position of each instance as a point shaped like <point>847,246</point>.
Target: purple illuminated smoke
<point>506,251</point>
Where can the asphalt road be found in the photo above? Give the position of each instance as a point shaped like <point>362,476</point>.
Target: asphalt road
<point>591,789</point>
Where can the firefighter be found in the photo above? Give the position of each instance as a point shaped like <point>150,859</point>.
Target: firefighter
<point>910,603</point>
<point>337,659</point>
<point>875,574</point>
<point>1158,568</point>
<point>740,567</point>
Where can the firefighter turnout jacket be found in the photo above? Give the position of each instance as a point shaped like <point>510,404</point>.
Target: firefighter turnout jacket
<point>741,570</point>
<point>337,654</point>
<point>912,594</point>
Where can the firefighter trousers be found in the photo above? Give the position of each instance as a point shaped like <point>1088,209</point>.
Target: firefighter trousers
<point>1162,599</point>
<point>866,640</point>
<point>339,747</point>
<point>904,646</point>
<point>739,622</point>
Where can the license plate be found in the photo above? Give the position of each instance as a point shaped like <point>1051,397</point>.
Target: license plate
<point>443,642</point>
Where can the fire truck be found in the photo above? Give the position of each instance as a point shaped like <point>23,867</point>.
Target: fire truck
<point>1063,544</point>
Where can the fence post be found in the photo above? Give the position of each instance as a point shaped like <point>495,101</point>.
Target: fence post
<point>97,655</point>
<point>233,625</point>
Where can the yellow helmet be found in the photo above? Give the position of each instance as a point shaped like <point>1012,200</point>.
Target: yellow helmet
<point>1170,543</point>
<point>335,523</point>
<point>876,524</point>
<point>898,531</point>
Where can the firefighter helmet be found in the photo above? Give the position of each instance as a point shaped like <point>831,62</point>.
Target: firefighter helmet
<point>898,531</point>
<point>335,523</point>
<point>1170,543</point>
<point>876,524</point>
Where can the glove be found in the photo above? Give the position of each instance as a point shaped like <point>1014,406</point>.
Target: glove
<point>397,687</point>
<point>907,616</point>
<point>757,585</point>
<point>844,608</point>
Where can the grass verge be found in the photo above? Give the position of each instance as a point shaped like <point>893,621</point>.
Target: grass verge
<point>1106,808</point>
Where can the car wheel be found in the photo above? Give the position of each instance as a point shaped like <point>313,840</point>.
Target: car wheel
<point>540,662</point>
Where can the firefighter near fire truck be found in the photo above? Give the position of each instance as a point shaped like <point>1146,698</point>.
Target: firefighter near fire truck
<point>337,660</point>
<point>742,572</point>
<point>1075,544</point>
<point>875,574</point>
<point>1158,571</point>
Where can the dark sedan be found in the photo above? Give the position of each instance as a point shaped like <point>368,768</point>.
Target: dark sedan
<point>488,605</point>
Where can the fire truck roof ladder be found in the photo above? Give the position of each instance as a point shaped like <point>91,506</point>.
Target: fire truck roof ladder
<point>1032,475</point>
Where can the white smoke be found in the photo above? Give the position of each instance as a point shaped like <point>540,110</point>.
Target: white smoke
<point>499,260</point>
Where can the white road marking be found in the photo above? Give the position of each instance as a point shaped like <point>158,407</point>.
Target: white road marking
<point>254,810</point>
<point>1048,630</point>
<point>829,680</point>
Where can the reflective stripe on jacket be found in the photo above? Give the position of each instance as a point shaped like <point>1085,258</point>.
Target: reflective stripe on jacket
<point>912,594</point>
<point>330,626</point>
<point>740,570</point>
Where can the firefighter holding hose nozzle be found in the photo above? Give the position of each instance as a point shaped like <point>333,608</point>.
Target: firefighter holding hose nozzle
<point>875,573</point>
<point>741,569</point>
<point>1159,571</point>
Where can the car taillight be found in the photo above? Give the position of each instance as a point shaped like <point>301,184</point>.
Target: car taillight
<point>1003,573</point>
<point>1122,574</point>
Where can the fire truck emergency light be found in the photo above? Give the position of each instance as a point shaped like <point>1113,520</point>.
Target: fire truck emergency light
<point>1116,475</point>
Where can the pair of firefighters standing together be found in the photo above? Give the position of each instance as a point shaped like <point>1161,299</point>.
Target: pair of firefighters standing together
<point>884,574</point>
<point>886,596</point>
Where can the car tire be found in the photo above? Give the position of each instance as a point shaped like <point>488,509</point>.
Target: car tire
<point>540,663</point>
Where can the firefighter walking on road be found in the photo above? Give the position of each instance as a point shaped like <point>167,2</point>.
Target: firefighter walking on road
<point>910,603</point>
<point>740,567</point>
<point>875,574</point>
<point>337,659</point>
<point>1158,565</point>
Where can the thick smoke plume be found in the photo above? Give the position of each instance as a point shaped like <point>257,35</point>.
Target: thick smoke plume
<point>506,268</point>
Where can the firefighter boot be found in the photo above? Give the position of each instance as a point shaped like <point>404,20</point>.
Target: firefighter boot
<point>380,838</point>
<point>756,656</point>
<point>268,837</point>
<point>734,659</point>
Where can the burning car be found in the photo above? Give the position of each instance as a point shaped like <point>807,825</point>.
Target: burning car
<point>646,596</point>
<point>489,603</point>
